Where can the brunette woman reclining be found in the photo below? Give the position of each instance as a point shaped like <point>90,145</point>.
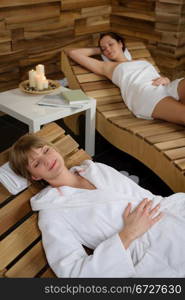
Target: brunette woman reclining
<point>144,91</point>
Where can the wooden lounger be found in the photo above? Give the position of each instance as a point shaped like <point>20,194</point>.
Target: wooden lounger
<point>158,144</point>
<point>21,252</point>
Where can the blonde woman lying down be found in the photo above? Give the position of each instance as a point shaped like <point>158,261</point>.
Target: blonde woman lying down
<point>145,92</point>
<point>133,232</point>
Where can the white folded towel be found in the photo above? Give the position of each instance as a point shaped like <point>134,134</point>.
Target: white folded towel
<point>12,182</point>
<point>126,53</point>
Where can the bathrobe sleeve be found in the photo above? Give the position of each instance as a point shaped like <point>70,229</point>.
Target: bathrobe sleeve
<point>67,257</point>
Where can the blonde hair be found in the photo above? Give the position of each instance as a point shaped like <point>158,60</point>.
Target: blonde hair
<point>18,155</point>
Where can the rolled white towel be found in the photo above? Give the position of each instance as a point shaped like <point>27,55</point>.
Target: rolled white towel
<point>12,182</point>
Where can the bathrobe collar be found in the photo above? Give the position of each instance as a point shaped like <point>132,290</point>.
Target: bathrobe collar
<point>51,198</point>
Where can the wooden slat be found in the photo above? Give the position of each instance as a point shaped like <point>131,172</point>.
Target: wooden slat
<point>134,45</point>
<point>114,113</point>
<point>108,99</point>
<point>128,123</point>
<point>125,114</point>
<point>15,210</point>
<point>30,264</point>
<point>155,129</point>
<point>166,137</point>
<point>175,153</point>
<point>104,92</point>
<point>51,132</point>
<point>97,85</point>
<point>4,194</point>
<point>77,158</point>
<point>180,163</point>
<point>140,53</point>
<point>48,274</point>
<point>80,70</point>
<point>18,240</point>
<point>170,144</point>
<point>66,145</point>
<point>108,107</point>
<point>89,77</point>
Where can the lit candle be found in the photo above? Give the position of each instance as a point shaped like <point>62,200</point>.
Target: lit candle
<point>39,82</point>
<point>45,83</point>
<point>40,69</point>
<point>32,81</point>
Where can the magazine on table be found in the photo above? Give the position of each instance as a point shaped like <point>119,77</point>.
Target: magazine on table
<point>57,101</point>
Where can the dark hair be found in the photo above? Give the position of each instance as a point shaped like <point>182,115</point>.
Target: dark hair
<point>114,36</point>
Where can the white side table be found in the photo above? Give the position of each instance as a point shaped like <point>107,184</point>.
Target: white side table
<point>23,107</point>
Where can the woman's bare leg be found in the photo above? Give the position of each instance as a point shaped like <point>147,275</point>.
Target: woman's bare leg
<point>170,110</point>
<point>181,91</point>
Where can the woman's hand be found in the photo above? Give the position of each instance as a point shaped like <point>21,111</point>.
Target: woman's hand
<point>140,220</point>
<point>161,81</point>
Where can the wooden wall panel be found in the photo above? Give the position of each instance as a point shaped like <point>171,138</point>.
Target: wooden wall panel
<point>35,31</point>
<point>135,18</point>
<point>76,4</point>
<point>170,50</point>
<point>161,24</point>
<point>14,3</point>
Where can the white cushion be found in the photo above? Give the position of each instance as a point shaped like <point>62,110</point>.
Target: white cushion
<point>12,182</point>
<point>126,53</point>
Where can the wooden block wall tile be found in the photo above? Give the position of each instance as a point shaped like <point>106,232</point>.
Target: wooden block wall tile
<point>49,42</point>
<point>17,34</point>
<point>15,16</point>
<point>2,24</point>
<point>68,4</point>
<point>48,30</point>
<point>136,4</point>
<point>173,38</point>
<point>5,36</point>
<point>10,3</point>
<point>172,1</point>
<point>5,47</point>
<point>168,8</point>
<point>91,25</point>
<point>95,11</point>
<point>134,14</point>
<point>137,25</point>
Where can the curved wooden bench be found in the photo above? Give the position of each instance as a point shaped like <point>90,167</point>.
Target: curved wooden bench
<point>158,144</point>
<point>21,252</point>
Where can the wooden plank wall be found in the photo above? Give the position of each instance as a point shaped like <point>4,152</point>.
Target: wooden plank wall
<point>160,23</point>
<point>35,31</point>
<point>170,22</point>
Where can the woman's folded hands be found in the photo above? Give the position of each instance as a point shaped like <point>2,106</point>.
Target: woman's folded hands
<point>138,221</point>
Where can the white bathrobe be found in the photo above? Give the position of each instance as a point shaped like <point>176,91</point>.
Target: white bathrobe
<point>93,218</point>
